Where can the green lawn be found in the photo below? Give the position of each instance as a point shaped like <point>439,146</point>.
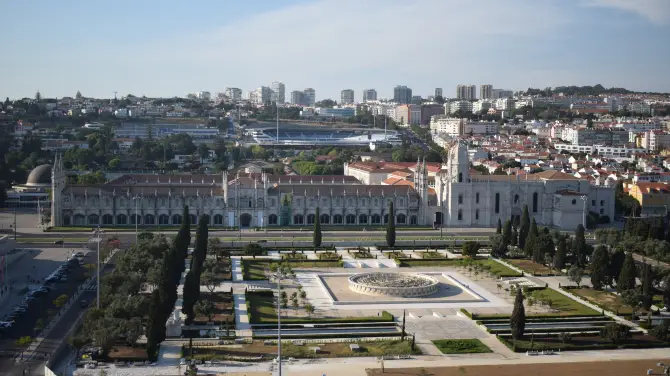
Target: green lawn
<point>254,270</point>
<point>493,266</point>
<point>461,346</point>
<point>531,267</point>
<point>262,310</point>
<point>565,305</point>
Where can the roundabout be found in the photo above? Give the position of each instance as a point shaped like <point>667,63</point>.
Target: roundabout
<point>394,284</point>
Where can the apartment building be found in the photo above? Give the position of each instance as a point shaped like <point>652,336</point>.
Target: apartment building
<point>466,92</point>
<point>278,92</point>
<point>462,105</point>
<point>310,96</point>
<point>438,92</point>
<point>402,94</point>
<point>486,91</point>
<point>408,114</point>
<point>347,96</point>
<point>234,94</point>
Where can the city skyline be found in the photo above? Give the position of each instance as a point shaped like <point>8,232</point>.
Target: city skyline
<point>565,43</point>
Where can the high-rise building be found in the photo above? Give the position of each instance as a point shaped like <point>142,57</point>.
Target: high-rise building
<point>369,95</point>
<point>310,96</point>
<point>501,93</point>
<point>347,96</point>
<point>402,94</point>
<point>298,98</point>
<point>466,92</point>
<point>438,92</point>
<point>261,96</point>
<point>233,93</point>
<point>278,92</point>
<point>486,91</point>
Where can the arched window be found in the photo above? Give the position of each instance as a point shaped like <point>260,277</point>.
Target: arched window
<point>194,219</point>
<point>535,202</point>
<point>386,218</point>
<point>460,214</point>
<point>149,219</point>
<point>412,220</point>
<point>337,219</point>
<point>516,199</point>
<point>310,219</point>
<point>477,214</point>
<point>351,219</point>
<point>121,219</point>
<point>363,219</point>
<point>135,219</point>
<point>477,198</point>
<point>376,219</point>
<point>163,219</point>
<point>272,219</point>
<point>460,177</point>
<point>66,220</point>
<point>218,219</point>
<point>298,219</point>
<point>401,219</point>
<point>497,206</point>
<point>107,219</point>
<point>93,219</point>
<point>79,220</point>
<point>176,219</point>
<point>325,219</point>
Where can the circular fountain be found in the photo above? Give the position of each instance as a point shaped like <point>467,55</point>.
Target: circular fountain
<point>394,284</point>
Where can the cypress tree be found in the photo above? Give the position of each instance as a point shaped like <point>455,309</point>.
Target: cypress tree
<point>531,239</point>
<point>559,257</point>
<point>155,328</point>
<point>627,276</point>
<point>647,289</point>
<point>599,268</point>
<point>183,239</point>
<point>616,263</point>
<point>499,227</point>
<point>579,246</point>
<point>515,237</point>
<point>390,227</point>
<point>524,227</point>
<point>507,233</point>
<point>316,237</point>
<point>518,319</point>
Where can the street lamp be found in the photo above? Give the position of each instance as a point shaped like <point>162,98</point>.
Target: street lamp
<point>277,275</point>
<point>584,198</point>
<point>98,232</point>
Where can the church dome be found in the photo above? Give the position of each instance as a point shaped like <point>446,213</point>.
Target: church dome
<point>40,175</point>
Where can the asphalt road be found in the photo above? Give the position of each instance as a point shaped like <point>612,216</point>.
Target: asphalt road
<point>24,325</point>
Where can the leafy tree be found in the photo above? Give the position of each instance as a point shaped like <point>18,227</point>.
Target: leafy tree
<point>559,257</point>
<point>498,249</point>
<point>599,268</point>
<point>209,280</point>
<point>499,227</point>
<point>253,249</point>
<point>317,236</point>
<point>632,298</point>
<point>309,309</point>
<point>575,274</point>
<point>470,249</point>
<point>23,341</point>
<point>206,308</point>
<point>61,300</point>
<point>628,275</point>
<point>544,248</point>
<point>524,227</point>
<point>518,318</point>
<point>661,331</point>
<point>390,226</point>
<point>615,332</point>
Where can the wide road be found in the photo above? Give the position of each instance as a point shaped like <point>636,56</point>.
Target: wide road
<point>58,333</point>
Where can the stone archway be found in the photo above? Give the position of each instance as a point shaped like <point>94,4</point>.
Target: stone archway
<point>245,220</point>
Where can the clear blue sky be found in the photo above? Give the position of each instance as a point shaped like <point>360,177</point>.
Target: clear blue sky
<point>170,47</point>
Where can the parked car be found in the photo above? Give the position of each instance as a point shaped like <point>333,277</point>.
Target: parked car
<point>59,242</point>
<point>79,254</point>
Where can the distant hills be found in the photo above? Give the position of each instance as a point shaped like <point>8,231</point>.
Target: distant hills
<point>584,90</point>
